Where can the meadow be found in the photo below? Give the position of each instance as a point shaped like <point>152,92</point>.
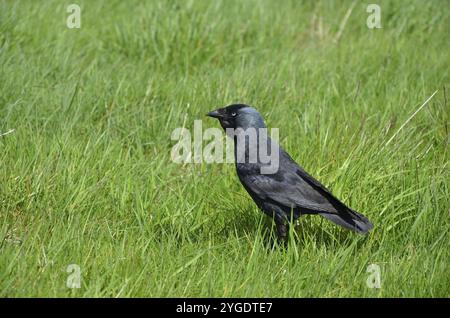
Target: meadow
<point>86,176</point>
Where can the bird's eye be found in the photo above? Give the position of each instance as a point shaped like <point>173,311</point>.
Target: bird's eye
<point>233,114</point>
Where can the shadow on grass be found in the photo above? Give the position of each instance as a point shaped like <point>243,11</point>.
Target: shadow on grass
<point>252,225</point>
<point>308,228</point>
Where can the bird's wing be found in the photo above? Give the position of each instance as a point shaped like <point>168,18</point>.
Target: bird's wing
<point>291,187</point>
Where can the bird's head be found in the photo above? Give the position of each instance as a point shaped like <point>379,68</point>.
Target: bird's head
<point>238,116</point>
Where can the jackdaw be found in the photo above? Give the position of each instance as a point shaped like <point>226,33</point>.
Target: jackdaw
<point>284,193</point>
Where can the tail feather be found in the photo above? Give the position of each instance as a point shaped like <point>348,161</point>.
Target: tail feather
<point>351,220</point>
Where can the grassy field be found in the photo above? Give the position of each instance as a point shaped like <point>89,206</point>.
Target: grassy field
<point>86,176</point>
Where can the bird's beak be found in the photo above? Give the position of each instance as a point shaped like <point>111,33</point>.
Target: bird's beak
<point>214,114</point>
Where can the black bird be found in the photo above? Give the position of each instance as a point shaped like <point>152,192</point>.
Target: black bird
<point>288,192</point>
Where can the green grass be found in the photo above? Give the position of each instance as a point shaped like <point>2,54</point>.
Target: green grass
<point>86,176</point>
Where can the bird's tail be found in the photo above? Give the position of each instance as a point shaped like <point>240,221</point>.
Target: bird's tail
<point>351,220</point>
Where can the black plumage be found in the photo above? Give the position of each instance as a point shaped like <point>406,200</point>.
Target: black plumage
<point>288,192</point>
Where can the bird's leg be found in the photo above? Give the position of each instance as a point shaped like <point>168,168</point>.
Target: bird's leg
<point>282,230</point>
